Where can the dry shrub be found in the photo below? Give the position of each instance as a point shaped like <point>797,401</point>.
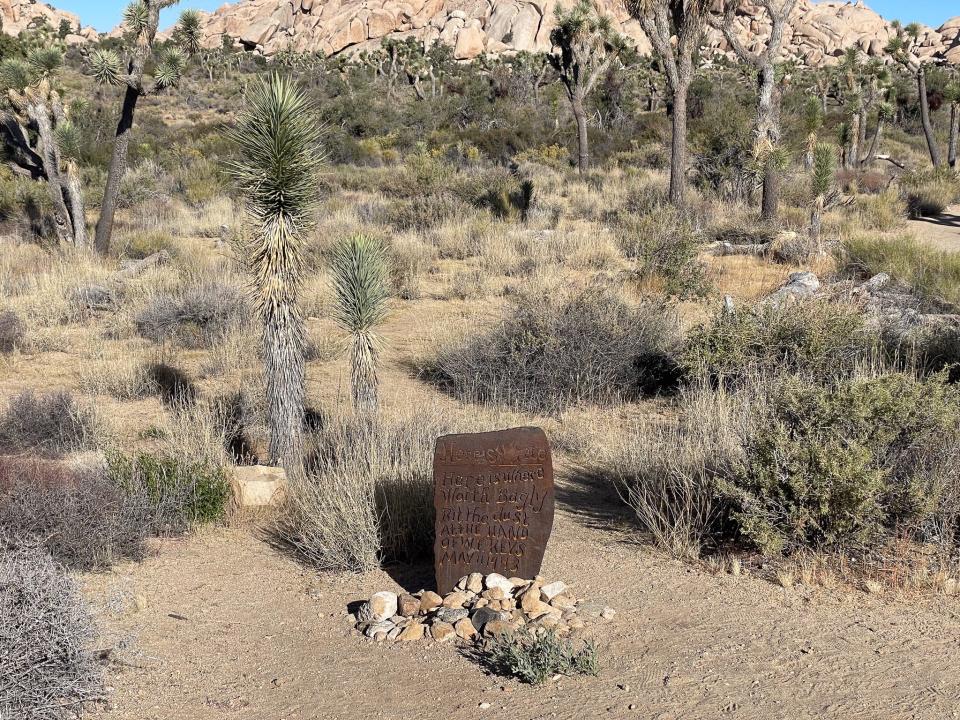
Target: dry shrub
<point>123,378</point>
<point>81,516</point>
<point>50,423</point>
<point>884,211</point>
<point>666,470</point>
<point>195,317</point>
<point>566,348</point>
<point>47,669</point>
<point>366,495</point>
<point>12,331</point>
<point>928,194</point>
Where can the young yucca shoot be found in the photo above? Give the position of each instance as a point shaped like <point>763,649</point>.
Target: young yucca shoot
<point>361,291</point>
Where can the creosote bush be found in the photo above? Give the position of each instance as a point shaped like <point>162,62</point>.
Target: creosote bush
<point>535,655</point>
<point>47,667</point>
<point>181,490</point>
<point>842,466</point>
<point>822,339</point>
<point>558,349</point>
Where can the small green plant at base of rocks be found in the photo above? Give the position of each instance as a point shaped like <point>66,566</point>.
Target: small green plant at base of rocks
<point>533,655</point>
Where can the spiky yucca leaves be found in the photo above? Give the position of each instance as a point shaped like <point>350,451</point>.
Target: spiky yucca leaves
<point>360,285</point>
<point>821,182</point>
<point>278,138</point>
<point>187,32</point>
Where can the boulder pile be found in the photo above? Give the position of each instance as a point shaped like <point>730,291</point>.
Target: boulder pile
<point>479,606</point>
<point>17,15</point>
<point>818,32</point>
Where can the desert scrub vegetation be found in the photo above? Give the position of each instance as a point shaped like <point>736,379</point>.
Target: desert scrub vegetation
<point>196,316</point>
<point>47,424</point>
<point>931,273</point>
<point>47,666</point>
<point>928,193</point>
<point>566,348</point>
<point>366,493</point>
<point>823,339</point>
<point>536,654</point>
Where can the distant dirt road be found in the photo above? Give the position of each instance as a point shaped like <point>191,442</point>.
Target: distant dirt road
<point>942,231</point>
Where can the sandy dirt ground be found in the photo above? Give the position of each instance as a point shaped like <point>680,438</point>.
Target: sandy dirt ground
<point>942,231</point>
<point>225,625</point>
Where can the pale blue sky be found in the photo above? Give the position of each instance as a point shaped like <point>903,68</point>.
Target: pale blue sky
<point>105,14</point>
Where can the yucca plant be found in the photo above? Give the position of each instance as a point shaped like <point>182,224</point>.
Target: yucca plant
<point>361,279</point>
<point>821,182</point>
<point>278,140</point>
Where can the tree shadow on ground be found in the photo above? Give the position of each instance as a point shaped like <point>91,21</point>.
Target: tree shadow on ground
<point>950,219</point>
<point>592,499</point>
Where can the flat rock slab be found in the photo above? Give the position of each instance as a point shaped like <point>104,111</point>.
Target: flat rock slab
<point>494,496</point>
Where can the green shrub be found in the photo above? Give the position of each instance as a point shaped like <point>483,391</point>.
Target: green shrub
<point>536,654</point>
<point>559,349</point>
<point>182,491</point>
<point>932,273</point>
<point>840,466</point>
<point>928,194</point>
<point>819,339</point>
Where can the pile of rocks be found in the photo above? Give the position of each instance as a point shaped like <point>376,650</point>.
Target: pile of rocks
<point>479,606</point>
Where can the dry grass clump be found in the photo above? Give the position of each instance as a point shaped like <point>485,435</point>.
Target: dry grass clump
<point>932,273</point>
<point>366,494</point>
<point>566,348</point>
<point>666,470</point>
<point>48,424</point>
<point>123,377</point>
<point>195,317</point>
<point>47,667</point>
<point>883,212</point>
<point>928,194</point>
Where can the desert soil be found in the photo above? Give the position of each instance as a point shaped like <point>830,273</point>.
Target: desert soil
<point>942,231</point>
<point>225,625</point>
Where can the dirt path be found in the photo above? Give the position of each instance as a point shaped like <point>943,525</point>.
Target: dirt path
<point>224,626</point>
<point>942,231</point>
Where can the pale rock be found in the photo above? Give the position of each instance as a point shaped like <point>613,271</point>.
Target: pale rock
<point>470,43</point>
<point>548,592</point>
<point>442,631</point>
<point>408,605</point>
<point>381,606</point>
<point>430,600</point>
<point>258,485</point>
<point>498,628</point>
<point>455,599</point>
<point>465,629</point>
<point>375,628</point>
<point>562,602</point>
<point>496,580</point>
<point>413,631</point>
<point>475,582</point>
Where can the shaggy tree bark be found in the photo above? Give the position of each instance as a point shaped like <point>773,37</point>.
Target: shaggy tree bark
<point>954,131</point>
<point>768,93</point>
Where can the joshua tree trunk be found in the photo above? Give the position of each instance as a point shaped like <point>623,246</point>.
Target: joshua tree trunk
<point>121,144</point>
<point>852,154</point>
<point>954,131</point>
<point>816,219</point>
<point>925,117</point>
<point>583,140</point>
<point>768,131</point>
<point>678,146</point>
<point>364,382</point>
<point>283,342</point>
<point>874,144</point>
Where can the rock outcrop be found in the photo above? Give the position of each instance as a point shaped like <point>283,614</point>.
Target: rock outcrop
<point>819,32</point>
<point>18,15</point>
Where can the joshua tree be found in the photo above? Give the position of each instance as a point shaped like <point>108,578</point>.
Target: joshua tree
<point>41,140</point>
<point>812,123</point>
<point>278,138</point>
<point>952,96</point>
<point>360,286</point>
<point>824,167</point>
<point>903,48</point>
<point>588,44</point>
<point>662,20</point>
<point>141,19</point>
<point>768,91</point>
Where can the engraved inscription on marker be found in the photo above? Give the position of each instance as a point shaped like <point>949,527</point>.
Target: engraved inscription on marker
<point>493,493</point>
